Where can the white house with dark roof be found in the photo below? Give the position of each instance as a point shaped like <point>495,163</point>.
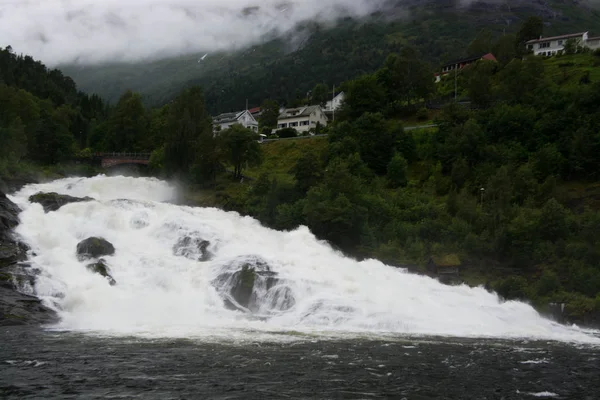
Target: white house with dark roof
<point>549,46</point>
<point>302,118</point>
<point>593,42</point>
<point>227,120</point>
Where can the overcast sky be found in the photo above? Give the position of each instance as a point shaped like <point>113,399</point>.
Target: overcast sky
<point>92,31</point>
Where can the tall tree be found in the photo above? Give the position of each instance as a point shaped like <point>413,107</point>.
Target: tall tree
<point>319,94</point>
<point>128,123</point>
<point>532,28</point>
<point>188,124</point>
<point>269,115</point>
<point>240,148</point>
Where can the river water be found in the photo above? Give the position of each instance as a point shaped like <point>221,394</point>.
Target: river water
<point>330,327</point>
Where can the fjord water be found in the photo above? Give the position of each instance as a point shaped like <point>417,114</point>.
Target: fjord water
<point>163,295</point>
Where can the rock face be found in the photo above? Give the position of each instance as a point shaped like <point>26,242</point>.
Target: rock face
<point>54,201</point>
<point>16,308</point>
<point>193,248</point>
<point>101,268</point>
<point>94,247</point>
<point>249,285</point>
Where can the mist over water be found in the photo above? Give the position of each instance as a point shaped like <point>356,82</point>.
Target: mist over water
<point>161,294</point>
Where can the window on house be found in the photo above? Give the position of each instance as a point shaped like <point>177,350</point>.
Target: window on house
<point>282,126</point>
<point>293,124</point>
<point>544,45</point>
<point>305,123</point>
<point>560,42</point>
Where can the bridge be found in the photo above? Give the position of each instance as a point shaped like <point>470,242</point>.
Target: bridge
<point>108,160</point>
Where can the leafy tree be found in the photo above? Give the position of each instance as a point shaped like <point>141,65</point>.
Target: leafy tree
<point>269,115</point>
<point>504,49</point>
<point>406,77</point>
<point>363,94</point>
<point>397,172</point>
<point>319,95</point>
<point>127,124</point>
<point>532,28</point>
<point>308,172</point>
<point>482,44</point>
<point>240,148</point>
<point>190,138</point>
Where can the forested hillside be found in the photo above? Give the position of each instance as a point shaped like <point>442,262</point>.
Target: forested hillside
<point>287,68</point>
<point>43,118</point>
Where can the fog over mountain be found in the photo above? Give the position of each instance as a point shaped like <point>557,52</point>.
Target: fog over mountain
<point>94,31</point>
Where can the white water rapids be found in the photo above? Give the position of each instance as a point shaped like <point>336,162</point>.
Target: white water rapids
<point>160,294</point>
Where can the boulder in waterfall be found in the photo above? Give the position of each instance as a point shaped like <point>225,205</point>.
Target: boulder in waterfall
<point>54,201</point>
<point>248,284</point>
<point>94,247</point>
<point>101,268</point>
<point>194,248</point>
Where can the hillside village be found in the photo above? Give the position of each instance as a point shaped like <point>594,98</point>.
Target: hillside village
<point>305,120</point>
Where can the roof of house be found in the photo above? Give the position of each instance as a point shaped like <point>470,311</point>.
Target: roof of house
<point>227,118</point>
<point>549,38</point>
<point>594,38</point>
<point>298,112</point>
<point>254,110</point>
<point>467,59</point>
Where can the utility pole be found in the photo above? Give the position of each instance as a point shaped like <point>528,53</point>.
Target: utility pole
<point>333,105</point>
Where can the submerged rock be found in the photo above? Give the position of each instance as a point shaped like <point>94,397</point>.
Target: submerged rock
<point>54,201</point>
<point>193,248</point>
<point>94,247</point>
<point>250,285</point>
<point>101,268</point>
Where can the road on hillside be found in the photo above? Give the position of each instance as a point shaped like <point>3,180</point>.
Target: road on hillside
<point>406,128</point>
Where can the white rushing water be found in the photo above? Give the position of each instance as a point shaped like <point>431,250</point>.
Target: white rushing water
<point>159,293</point>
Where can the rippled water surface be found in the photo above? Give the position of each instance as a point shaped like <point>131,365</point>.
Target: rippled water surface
<point>49,365</point>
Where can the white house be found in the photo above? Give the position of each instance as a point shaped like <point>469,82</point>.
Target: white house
<point>549,46</point>
<point>593,43</point>
<point>335,103</point>
<point>302,119</point>
<point>226,120</point>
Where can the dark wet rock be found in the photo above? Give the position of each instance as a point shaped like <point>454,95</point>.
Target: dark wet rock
<point>54,201</point>
<point>16,308</point>
<point>94,247</point>
<point>194,248</point>
<point>248,284</point>
<point>101,268</point>
<point>22,309</point>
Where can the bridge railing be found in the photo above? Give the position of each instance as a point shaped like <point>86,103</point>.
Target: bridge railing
<point>130,156</point>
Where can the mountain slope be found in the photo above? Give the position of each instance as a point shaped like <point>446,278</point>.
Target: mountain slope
<point>288,67</point>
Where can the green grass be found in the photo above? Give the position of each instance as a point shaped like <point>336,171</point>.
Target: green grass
<point>281,156</point>
<point>566,70</point>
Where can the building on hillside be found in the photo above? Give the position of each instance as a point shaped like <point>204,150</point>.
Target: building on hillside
<point>593,43</point>
<point>303,119</point>
<point>335,103</point>
<point>459,64</point>
<point>227,120</point>
<point>256,112</point>
<point>549,46</point>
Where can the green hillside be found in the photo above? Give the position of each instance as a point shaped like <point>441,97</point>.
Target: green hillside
<point>281,71</point>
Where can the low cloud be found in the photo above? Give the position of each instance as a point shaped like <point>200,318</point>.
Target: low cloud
<point>96,31</point>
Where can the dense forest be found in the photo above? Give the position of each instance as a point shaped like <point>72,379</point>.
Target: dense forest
<point>489,188</point>
<point>286,68</point>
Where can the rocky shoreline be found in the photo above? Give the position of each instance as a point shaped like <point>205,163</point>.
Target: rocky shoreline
<point>16,308</point>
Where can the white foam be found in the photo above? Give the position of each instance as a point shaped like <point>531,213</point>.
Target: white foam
<point>161,294</point>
